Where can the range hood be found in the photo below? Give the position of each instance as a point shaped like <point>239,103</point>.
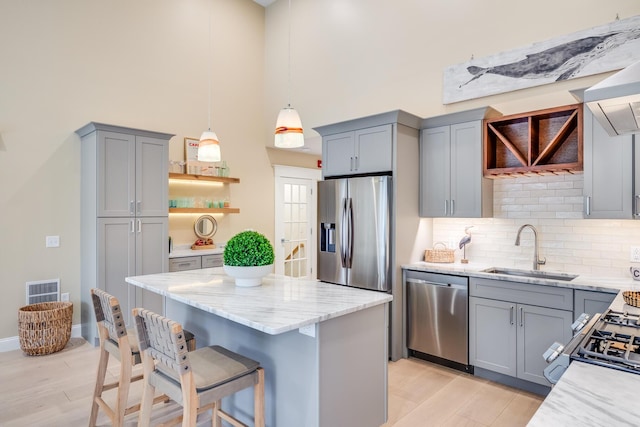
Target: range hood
<point>615,101</point>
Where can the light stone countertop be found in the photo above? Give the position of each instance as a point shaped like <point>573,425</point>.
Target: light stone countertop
<point>587,283</point>
<point>279,305</point>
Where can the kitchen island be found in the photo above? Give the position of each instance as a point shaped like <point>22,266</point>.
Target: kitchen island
<point>324,347</point>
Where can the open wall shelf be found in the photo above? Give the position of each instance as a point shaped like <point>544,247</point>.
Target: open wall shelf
<point>540,142</point>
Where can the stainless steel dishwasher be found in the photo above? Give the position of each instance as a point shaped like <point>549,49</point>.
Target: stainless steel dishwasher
<point>438,318</point>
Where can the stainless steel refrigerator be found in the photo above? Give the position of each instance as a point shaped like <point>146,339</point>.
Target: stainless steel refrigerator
<point>353,232</point>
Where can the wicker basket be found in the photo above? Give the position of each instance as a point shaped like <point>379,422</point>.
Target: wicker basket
<point>631,298</point>
<point>439,255</point>
<point>44,327</point>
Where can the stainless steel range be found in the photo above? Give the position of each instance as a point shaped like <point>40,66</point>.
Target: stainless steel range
<point>611,339</point>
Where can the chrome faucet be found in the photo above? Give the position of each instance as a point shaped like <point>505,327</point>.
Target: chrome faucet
<point>537,262</point>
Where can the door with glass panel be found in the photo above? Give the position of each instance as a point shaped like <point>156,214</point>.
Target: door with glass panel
<point>295,212</point>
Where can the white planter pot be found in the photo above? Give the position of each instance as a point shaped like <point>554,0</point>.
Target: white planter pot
<point>248,276</point>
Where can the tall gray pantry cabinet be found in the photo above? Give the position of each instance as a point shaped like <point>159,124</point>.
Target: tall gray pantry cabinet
<point>124,215</point>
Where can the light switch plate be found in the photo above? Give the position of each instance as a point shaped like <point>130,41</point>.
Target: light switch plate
<point>634,255</point>
<point>52,241</point>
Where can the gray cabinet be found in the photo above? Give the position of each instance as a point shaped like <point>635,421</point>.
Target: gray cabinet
<point>608,173</point>
<point>357,152</point>
<point>124,215</point>
<point>511,324</point>
<point>195,262</point>
<point>451,180</point>
<point>591,302</point>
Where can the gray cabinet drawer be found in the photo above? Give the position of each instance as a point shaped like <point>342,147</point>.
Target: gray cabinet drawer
<point>185,263</point>
<point>523,293</point>
<point>214,260</point>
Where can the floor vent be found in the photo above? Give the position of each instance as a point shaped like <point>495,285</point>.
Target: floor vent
<point>43,291</point>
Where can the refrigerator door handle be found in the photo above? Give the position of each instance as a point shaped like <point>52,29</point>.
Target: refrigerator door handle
<point>343,234</point>
<point>349,251</point>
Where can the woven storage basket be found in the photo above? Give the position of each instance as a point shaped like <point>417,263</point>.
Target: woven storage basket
<point>44,327</point>
<point>631,298</point>
<point>439,255</point>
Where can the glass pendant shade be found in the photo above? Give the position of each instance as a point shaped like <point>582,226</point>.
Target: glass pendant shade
<point>209,147</point>
<point>289,129</point>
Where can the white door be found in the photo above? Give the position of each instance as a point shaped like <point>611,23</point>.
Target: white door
<point>295,221</point>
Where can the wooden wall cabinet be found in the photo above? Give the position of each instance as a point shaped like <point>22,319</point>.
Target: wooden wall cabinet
<point>542,142</point>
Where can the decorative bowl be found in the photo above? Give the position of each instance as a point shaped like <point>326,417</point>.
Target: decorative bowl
<point>248,276</point>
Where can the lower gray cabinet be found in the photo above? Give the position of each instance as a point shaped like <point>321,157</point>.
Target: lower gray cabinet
<point>538,328</point>
<point>591,302</point>
<point>195,262</point>
<point>492,335</point>
<point>509,337</point>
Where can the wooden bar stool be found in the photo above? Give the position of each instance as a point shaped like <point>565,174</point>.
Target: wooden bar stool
<point>114,340</point>
<point>197,380</point>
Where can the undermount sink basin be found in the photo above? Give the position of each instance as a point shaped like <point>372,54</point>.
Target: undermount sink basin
<point>531,274</point>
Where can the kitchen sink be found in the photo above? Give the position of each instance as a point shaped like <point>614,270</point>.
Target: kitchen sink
<point>534,274</point>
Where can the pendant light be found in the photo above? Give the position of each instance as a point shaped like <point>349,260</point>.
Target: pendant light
<point>289,132</point>
<point>209,146</point>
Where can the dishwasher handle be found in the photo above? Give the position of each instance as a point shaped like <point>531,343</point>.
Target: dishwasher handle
<point>443,285</point>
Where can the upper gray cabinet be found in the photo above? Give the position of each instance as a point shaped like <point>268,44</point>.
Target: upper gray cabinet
<point>362,151</point>
<point>129,170</point>
<point>451,181</point>
<point>609,163</point>
<point>364,146</point>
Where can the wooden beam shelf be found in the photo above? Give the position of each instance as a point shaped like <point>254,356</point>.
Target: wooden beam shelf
<point>540,142</point>
<point>205,210</point>
<point>202,178</point>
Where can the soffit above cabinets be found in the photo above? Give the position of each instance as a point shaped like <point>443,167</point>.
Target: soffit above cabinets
<point>264,3</point>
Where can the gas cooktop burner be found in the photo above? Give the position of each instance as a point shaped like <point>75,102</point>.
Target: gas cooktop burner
<point>620,318</point>
<point>614,342</point>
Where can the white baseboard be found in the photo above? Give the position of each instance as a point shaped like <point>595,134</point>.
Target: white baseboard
<point>13,343</point>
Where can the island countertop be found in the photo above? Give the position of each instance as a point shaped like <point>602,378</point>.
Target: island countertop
<point>279,305</point>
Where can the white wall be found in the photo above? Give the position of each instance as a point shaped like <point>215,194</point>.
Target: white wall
<point>144,64</point>
<point>352,58</point>
<point>140,64</point>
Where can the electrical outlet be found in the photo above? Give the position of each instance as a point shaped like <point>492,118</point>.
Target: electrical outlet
<point>52,241</point>
<point>64,296</point>
<point>634,254</point>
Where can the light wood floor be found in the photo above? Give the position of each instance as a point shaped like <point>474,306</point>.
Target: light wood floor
<point>56,390</point>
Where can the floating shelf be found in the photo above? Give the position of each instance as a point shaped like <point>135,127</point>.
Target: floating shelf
<point>202,178</point>
<point>205,210</point>
<point>536,143</point>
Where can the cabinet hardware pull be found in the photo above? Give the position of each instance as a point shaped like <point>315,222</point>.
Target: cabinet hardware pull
<point>357,163</point>
<point>453,207</point>
<point>139,226</point>
<point>132,227</point>
<point>138,206</point>
<point>511,315</point>
<point>131,207</point>
<point>351,163</point>
<point>521,317</point>
<point>446,207</point>
<point>588,205</point>
<point>636,213</point>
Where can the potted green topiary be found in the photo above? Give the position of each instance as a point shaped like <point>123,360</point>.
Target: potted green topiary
<point>248,257</point>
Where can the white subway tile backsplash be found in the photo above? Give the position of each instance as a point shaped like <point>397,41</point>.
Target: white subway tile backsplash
<point>553,204</point>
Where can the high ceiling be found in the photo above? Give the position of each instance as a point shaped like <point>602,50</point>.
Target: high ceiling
<point>264,3</point>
